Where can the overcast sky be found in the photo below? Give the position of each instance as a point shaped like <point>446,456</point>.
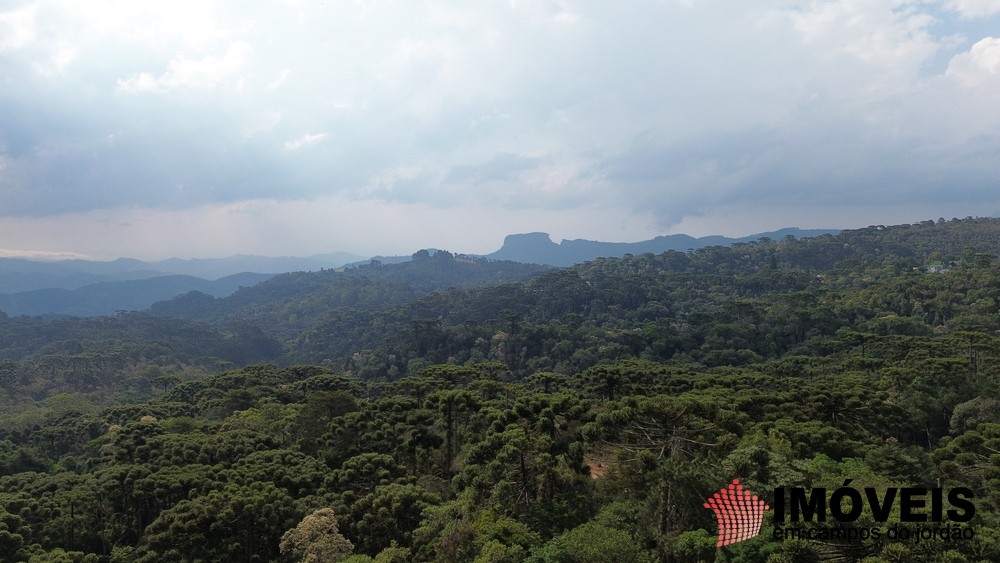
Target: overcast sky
<point>209,128</point>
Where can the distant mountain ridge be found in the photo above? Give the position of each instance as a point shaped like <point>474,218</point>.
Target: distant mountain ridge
<point>106,298</point>
<point>84,288</point>
<point>20,274</point>
<point>538,248</point>
<point>95,288</point>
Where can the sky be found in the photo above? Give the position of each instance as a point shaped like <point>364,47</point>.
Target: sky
<point>210,128</point>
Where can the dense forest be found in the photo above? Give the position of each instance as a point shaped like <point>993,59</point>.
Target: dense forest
<point>468,410</point>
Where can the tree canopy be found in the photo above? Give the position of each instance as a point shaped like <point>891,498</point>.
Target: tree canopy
<point>580,414</point>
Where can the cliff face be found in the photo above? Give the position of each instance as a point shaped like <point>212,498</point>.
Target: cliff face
<point>538,248</point>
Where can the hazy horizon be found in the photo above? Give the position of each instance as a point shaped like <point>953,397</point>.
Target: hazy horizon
<point>60,256</point>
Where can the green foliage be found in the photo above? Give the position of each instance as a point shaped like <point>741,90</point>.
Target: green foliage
<point>591,542</point>
<point>237,523</point>
<point>316,539</point>
<point>571,415</point>
<point>389,514</point>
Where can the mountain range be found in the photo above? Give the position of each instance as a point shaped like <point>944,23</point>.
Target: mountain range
<point>21,274</point>
<point>96,288</point>
<point>109,297</point>
<point>538,248</point>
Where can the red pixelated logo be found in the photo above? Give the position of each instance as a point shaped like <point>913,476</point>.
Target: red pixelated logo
<point>738,511</point>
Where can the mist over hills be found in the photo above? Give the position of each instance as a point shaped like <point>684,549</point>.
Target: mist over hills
<point>106,298</point>
<point>21,274</point>
<point>95,288</point>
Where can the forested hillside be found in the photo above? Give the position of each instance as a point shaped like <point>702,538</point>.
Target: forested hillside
<point>457,410</point>
<point>289,302</point>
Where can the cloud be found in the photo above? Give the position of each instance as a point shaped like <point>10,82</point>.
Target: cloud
<point>980,64</point>
<point>307,140</point>
<point>503,167</point>
<point>285,73</point>
<point>887,43</point>
<point>41,255</point>
<point>974,8</point>
<point>305,227</point>
<point>668,111</point>
<point>207,72</point>
<point>17,28</point>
